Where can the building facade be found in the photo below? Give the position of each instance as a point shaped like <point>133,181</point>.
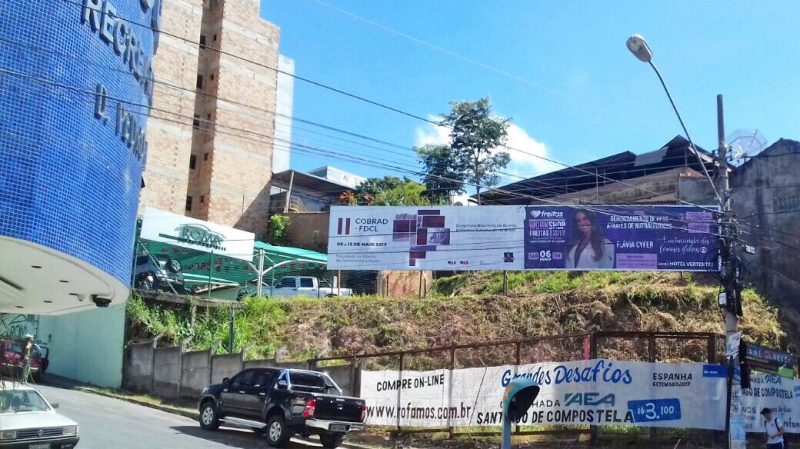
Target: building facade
<point>214,107</point>
<point>74,98</point>
<point>667,175</point>
<point>765,195</point>
<point>281,154</point>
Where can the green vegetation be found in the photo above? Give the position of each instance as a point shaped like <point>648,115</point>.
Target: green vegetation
<point>468,308</point>
<point>260,325</point>
<point>391,191</point>
<point>278,229</point>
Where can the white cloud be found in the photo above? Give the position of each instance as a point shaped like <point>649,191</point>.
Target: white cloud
<point>431,134</point>
<point>526,152</point>
<point>526,155</point>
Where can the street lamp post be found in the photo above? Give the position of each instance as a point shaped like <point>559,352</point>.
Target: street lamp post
<point>638,46</point>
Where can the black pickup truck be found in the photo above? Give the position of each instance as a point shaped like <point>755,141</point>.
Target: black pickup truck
<point>281,403</point>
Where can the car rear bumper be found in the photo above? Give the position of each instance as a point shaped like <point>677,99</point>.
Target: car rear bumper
<point>55,443</point>
<point>334,426</point>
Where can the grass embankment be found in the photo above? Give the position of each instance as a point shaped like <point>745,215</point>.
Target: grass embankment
<point>464,309</point>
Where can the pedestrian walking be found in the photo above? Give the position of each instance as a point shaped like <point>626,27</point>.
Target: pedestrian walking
<point>773,429</point>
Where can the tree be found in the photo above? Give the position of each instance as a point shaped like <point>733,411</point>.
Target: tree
<point>391,191</point>
<point>474,137</point>
<point>442,176</point>
<point>472,156</point>
<point>278,231</point>
<point>348,198</point>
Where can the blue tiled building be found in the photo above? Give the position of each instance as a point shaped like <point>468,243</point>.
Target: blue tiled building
<point>75,88</point>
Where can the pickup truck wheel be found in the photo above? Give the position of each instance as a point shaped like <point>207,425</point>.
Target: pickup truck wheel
<point>331,441</point>
<point>277,433</point>
<point>143,283</point>
<point>209,418</point>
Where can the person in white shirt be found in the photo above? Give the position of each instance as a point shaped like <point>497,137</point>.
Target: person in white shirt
<point>773,428</point>
<point>587,248</point>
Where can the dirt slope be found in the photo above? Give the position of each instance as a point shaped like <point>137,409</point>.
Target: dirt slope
<point>467,309</point>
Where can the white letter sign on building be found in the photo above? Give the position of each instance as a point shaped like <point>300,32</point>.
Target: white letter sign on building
<point>186,232</point>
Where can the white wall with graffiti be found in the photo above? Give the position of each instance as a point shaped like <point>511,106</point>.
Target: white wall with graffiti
<point>17,325</point>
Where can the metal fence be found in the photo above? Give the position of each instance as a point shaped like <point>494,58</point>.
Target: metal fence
<point>613,345</point>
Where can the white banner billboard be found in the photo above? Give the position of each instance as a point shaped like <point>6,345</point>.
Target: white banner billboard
<point>450,238</point>
<point>187,232</point>
<point>416,238</point>
<point>591,392</point>
<point>779,394</point>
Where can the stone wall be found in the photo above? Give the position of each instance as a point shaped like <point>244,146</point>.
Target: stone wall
<point>404,284</point>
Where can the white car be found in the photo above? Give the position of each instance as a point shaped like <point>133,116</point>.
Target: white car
<point>28,421</point>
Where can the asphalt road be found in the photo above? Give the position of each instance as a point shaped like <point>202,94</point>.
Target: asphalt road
<point>111,423</point>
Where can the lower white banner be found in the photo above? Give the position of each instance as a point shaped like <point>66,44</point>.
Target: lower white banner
<point>779,394</point>
<point>596,392</point>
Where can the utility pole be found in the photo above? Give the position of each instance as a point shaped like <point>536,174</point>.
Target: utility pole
<point>729,269</point>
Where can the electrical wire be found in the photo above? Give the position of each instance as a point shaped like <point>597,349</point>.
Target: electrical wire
<point>443,50</point>
<point>656,194</point>
<point>2,70</point>
<point>424,119</point>
<point>387,107</point>
<point>312,150</point>
<point>549,189</point>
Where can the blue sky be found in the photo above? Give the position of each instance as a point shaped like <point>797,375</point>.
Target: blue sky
<point>568,82</point>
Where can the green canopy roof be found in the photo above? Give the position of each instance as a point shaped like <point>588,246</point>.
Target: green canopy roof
<point>284,253</point>
<point>201,268</point>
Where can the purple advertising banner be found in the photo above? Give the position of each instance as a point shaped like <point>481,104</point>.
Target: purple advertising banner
<point>623,238</point>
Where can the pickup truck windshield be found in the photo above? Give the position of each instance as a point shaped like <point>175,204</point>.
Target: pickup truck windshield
<point>307,382</point>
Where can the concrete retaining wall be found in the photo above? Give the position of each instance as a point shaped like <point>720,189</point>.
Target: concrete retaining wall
<point>138,374</point>
<point>223,366</point>
<point>262,363</point>
<point>167,368</point>
<point>195,373</point>
<point>172,373</point>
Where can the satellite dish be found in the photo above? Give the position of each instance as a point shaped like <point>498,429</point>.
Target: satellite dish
<point>744,144</point>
